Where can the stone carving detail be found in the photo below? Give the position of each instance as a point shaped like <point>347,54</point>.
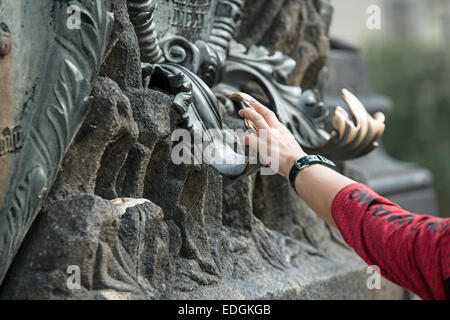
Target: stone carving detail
<point>228,15</point>
<point>190,92</point>
<point>142,16</point>
<point>204,56</point>
<point>317,129</point>
<point>140,226</point>
<point>57,115</point>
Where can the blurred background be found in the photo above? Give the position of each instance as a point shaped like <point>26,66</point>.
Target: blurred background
<point>407,60</point>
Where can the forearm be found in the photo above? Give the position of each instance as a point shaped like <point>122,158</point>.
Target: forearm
<point>411,250</point>
<point>317,185</point>
<point>393,239</point>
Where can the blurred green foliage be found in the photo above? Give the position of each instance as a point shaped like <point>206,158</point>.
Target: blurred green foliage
<point>417,79</point>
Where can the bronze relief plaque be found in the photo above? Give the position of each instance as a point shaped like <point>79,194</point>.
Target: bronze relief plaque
<point>7,143</point>
<point>47,67</point>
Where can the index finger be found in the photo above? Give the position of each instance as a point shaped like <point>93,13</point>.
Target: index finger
<point>268,114</point>
<point>257,119</point>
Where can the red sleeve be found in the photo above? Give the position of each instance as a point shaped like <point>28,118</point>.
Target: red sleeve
<point>411,250</point>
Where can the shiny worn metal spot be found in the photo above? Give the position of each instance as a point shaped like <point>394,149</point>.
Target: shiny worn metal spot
<point>5,46</point>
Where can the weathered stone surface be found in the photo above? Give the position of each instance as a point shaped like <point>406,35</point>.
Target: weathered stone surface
<point>154,115</point>
<point>121,21</point>
<point>183,196</point>
<point>123,64</point>
<point>121,248</point>
<point>283,211</point>
<point>131,176</point>
<point>75,232</point>
<point>100,148</point>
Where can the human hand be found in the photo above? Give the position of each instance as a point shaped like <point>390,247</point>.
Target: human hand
<point>279,145</point>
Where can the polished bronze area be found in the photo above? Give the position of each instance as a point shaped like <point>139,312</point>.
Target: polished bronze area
<point>359,134</point>
<point>5,45</point>
<point>366,129</point>
<point>329,131</point>
<point>246,100</point>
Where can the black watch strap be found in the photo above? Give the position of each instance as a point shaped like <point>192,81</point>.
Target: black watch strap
<point>305,162</point>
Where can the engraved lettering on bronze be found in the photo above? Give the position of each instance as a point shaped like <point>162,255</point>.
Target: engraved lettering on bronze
<point>11,140</point>
<point>193,3</point>
<point>189,14</point>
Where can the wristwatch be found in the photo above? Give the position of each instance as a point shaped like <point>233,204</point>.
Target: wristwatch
<point>305,162</point>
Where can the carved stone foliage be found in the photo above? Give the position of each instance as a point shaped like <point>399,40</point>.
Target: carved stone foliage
<point>51,118</point>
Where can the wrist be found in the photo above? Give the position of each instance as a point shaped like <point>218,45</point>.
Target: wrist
<point>305,162</point>
<point>290,162</point>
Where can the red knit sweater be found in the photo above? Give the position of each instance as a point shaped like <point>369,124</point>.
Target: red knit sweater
<point>411,250</point>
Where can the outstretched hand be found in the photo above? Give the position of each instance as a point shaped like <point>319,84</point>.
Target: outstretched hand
<point>317,185</point>
<point>281,148</point>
